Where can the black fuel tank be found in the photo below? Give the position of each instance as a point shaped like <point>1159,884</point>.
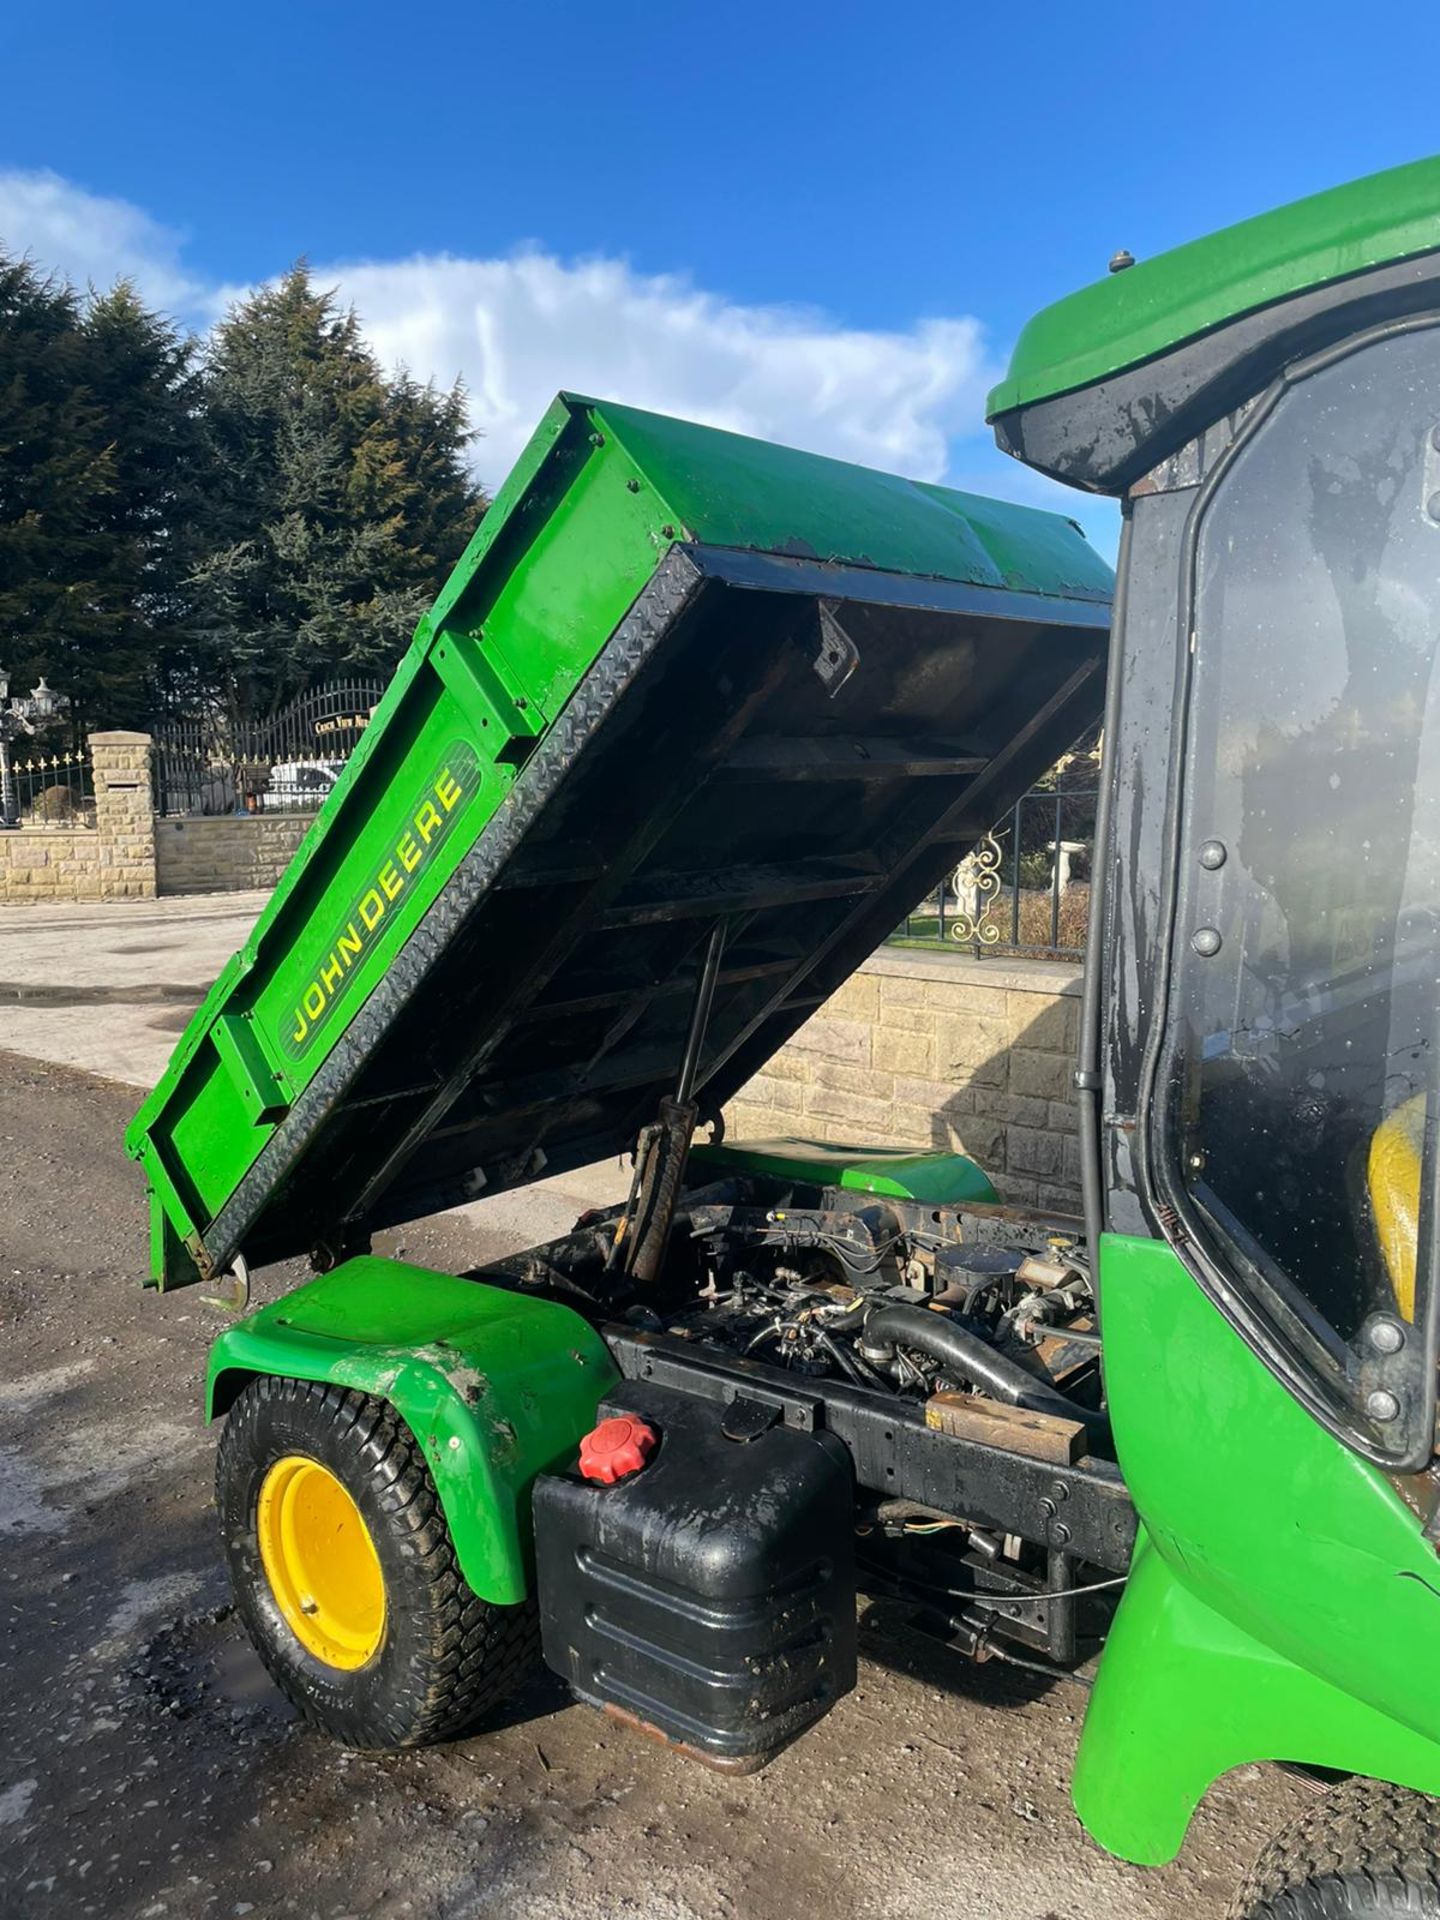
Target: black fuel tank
<point>709,1597</point>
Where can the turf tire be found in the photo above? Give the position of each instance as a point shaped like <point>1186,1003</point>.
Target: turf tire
<point>447,1656</point>
<point>1366,1851</point>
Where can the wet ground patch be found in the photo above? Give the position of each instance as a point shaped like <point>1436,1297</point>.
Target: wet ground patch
<point>202,1666</point>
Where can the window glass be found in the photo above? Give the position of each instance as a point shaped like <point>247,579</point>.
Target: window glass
<point>1309,929</point>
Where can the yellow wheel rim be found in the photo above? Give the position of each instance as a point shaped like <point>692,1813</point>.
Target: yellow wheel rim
<point>321,1563</point>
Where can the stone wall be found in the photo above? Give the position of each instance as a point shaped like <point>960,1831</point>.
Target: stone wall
<point>114,859</point>
<point>131,854</point>
<point>51,863</point>
<point>228,852</point>
<point>937,1050</point>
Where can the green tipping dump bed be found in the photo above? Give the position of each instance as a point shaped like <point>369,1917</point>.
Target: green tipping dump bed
<point>679,676</point>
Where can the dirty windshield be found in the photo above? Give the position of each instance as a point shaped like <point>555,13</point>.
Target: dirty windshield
<point>1310,887</point>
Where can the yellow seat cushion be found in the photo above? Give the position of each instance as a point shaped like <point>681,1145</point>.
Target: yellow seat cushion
<point>1393,1172</point>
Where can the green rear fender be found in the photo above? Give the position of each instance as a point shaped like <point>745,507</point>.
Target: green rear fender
<point>495,1387</point>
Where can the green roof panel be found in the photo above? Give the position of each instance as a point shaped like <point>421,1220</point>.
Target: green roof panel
<point>1148,309</point>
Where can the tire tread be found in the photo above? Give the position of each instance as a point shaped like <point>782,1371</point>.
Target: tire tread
<point>1366,1848</point>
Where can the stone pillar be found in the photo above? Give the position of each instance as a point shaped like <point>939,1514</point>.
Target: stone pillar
<point>124,815</point>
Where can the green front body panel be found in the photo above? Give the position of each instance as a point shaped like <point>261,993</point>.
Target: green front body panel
<point>1283,1604</point>
<point>593,508</point>
<point>1132,316</point>
<point>895,1173</point>
<point>496,1388</point>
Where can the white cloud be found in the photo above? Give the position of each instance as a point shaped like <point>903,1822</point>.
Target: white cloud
<point>88,237</point>
<point>519,327</point>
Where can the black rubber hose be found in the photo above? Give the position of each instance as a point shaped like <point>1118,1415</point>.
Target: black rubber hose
<point>851,1363</point>
<point>846,1321</point>
<point>973,1358</point>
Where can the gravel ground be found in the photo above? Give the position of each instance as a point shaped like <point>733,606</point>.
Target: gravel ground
<point>147,1767</point>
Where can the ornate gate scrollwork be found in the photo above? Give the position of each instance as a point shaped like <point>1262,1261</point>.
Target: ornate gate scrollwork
<point>977,883</point>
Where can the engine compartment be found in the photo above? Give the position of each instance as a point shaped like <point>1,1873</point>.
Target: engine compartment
<point>826,1290</point>
<point>889,1295</point>
<point>954,1350</point>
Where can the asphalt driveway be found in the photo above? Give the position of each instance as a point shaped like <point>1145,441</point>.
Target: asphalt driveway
<point>148,1769</point>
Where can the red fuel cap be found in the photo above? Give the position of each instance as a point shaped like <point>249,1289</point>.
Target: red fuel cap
<point>616,1448</point>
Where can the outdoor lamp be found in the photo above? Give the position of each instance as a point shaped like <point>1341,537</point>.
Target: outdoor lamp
<point>44,703</point>
<point>16,717</point>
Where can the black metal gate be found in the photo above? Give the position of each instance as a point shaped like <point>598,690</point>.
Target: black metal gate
<point>214,763</point>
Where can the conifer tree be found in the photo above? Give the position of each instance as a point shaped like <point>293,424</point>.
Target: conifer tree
<point>100,470</point>
<point>234,528</point>
<point>56,474</point>
<point>142,384</point>
<point>338,500</point>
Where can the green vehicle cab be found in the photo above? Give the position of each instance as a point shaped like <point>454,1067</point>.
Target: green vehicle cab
<point>693,726</point>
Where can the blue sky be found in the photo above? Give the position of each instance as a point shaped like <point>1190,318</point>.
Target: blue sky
<point>823,223</point>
